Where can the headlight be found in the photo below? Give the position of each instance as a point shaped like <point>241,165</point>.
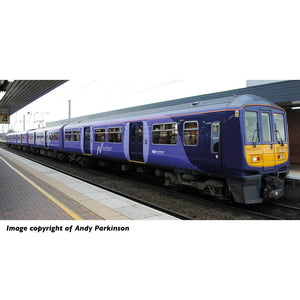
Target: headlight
<point>255,158</point>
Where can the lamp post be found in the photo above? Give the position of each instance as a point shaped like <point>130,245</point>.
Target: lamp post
<point>69,110</point>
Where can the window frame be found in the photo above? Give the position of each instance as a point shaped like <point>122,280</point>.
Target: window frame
<point>284,139</point>
<point>165,130</point>
<point>253,141</point>
<point>213,138</point>
<point>100,134</point>
<point>188,130</point>
<point>263,127</point>
<point>50,136</point>
<point>75,134</point>
<point>30,138</point>
<point>40,138</point>
<point>68,135</point>
<point>23,138</point>
<point>56,135</point>
<point>112,131</point>
<point>140,134</point>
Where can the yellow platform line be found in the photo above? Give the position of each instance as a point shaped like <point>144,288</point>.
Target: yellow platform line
<point>58,203</point>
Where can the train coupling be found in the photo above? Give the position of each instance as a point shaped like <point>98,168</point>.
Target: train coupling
<point>273,194</point>
<point>273,187</point>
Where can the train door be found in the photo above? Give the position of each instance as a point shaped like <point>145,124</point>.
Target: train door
<point>87,140</point>
<point>136,141</point>
<point>267,136</point>
<point>214,157</point>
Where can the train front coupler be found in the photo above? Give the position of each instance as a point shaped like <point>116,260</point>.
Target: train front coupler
<point>273,186</point>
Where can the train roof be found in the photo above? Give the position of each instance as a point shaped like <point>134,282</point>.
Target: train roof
<point>166,108</point>
<point>179,106</point>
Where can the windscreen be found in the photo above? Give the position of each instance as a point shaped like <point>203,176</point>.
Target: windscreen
<point>279,127</point>
<point>251,126</point>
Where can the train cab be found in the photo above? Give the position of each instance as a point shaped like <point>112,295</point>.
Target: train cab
<point>264,153</point>
<point>265,139</point>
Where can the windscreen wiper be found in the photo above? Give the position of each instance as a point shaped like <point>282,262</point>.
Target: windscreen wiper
<point>255,133</point>
<point>281,141</point>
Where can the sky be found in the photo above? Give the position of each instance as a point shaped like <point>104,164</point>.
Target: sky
<point>95,96</point>
<point>120,54</point>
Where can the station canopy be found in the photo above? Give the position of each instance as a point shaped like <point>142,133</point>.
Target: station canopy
<point>16,94</point>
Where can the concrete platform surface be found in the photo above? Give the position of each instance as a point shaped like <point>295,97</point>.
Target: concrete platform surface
<point>294,172</point>
<point>29,181</point>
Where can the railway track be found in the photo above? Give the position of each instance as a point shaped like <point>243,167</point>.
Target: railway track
<point>283,211</point>
<point>143,190</point>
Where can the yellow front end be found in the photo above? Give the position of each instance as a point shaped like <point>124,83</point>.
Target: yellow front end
<point>268,155</point>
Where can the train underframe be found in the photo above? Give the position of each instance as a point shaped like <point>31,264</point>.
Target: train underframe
<point>250,189</point>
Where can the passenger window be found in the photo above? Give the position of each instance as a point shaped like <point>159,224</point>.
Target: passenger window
<point>51,136</point>
<point>40,137</point>
<point>56,135</point>
<point>251,126</point>
<point>279,127</point>
<point>190,133</point>
<point>30,138</point>
<point>115,135</point>
<point>68,135</point>
<point>99,135</point>
<point>164,134</point>
<point>215,137</point>
<point>133,134</point>
<point>140,134</point>
<point>76,135</point>
<point>265,119</point>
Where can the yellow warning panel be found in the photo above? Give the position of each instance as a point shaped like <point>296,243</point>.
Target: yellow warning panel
<point>4,119</point>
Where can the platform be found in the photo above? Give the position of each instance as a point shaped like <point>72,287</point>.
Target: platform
<point>294,172</point>
<point>30,191</point>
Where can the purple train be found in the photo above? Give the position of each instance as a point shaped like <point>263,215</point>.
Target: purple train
<point>235,146</point>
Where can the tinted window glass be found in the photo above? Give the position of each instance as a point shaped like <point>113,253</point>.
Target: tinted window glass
<point>215,137</point>
<point>76,135</point>
<point>99,135</point>
<point>68,135</point>
<point>265,119</point>
<point>133,134</point>
<point>56,135</point>
<point>140,134</point>
<point>190,133</point>
<point>279,127</point>
<point>115,134</point>
<point>165,134</point>
<point>251,126</point>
